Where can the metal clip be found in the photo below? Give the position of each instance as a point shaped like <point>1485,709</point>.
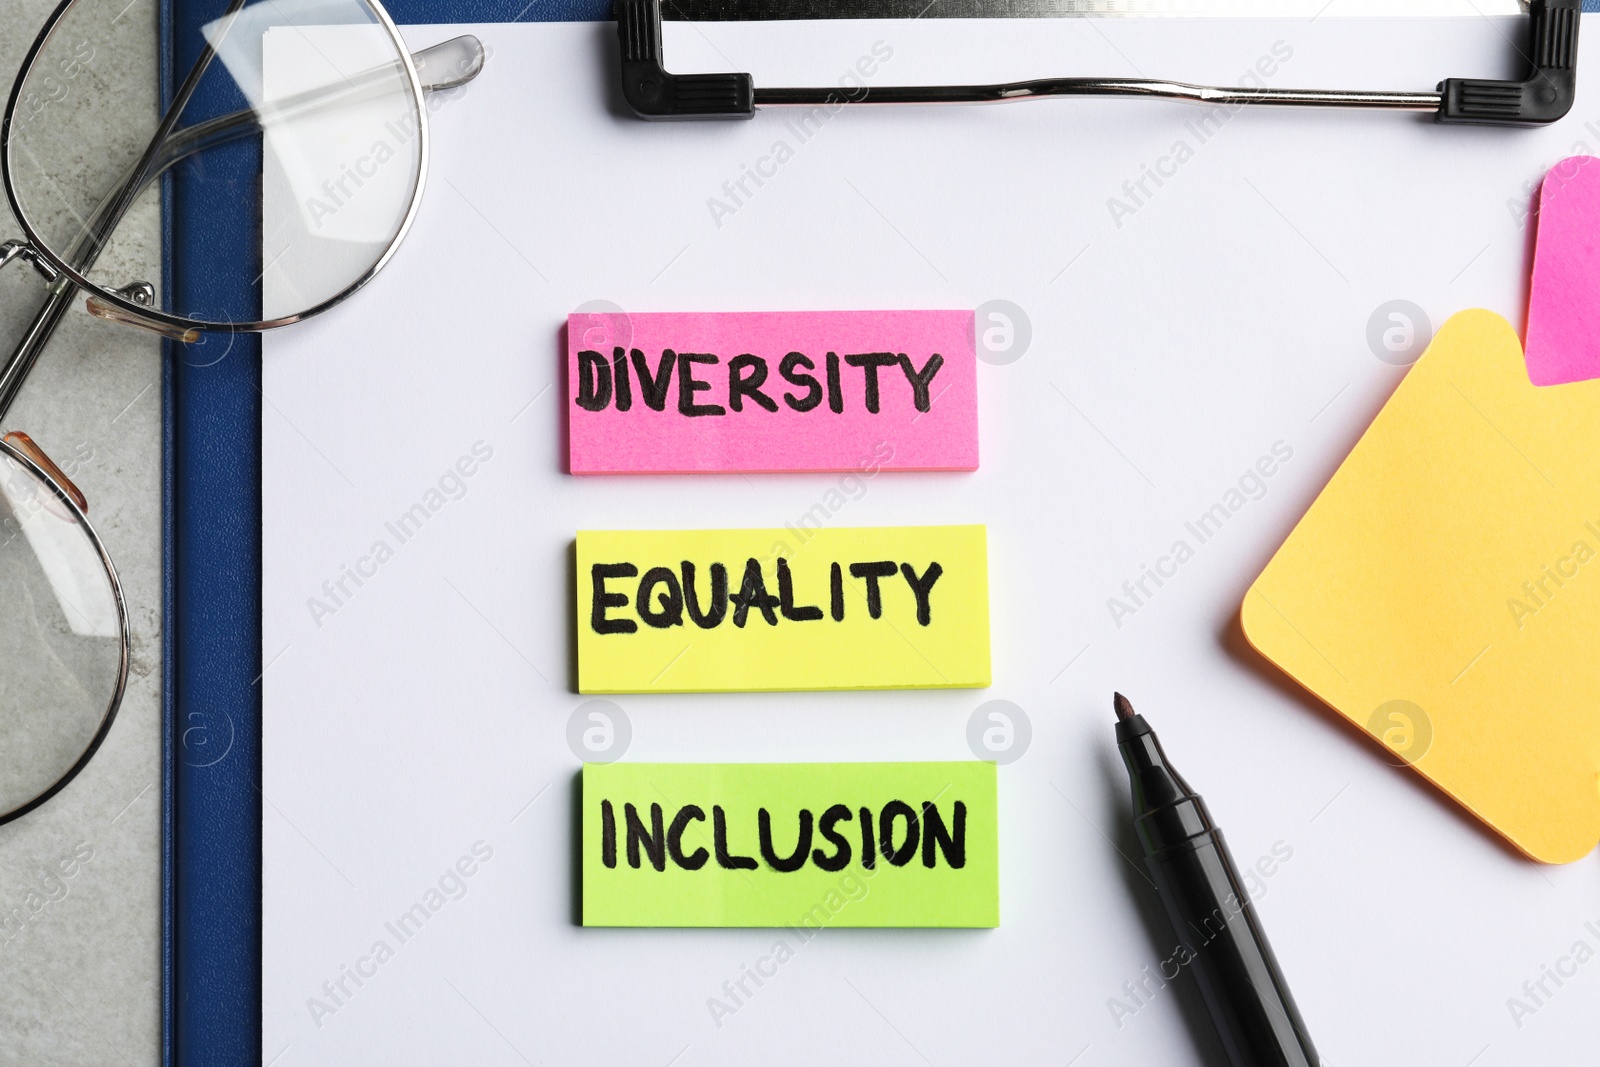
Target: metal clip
<point>1547,94</point>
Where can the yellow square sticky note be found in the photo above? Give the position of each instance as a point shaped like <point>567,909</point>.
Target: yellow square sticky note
<point>800,845</point>
<point>1443,593</point>
<point>698,611</point>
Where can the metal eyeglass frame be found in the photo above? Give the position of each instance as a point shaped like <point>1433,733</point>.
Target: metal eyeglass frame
<point>1544,96</point>
<point>456,61</point>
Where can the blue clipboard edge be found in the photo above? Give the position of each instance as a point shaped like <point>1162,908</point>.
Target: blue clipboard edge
<point>168,643</point>
<point>211,555</point>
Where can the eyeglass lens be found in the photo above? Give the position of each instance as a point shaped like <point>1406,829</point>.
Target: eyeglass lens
<point>301,144</point>
<point>60,639</point>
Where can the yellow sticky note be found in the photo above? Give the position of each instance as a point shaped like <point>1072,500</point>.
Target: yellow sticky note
<point>799,845</point>
<point>700,611</point>
<point>1443,593</point>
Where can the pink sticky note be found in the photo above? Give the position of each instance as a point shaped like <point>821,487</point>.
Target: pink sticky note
<point>1564,313</point>
<point>676,393</point>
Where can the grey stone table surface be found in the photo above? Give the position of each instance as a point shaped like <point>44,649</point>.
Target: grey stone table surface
<point>80,975</point>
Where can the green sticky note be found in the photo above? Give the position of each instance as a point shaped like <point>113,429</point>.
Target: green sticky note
<point>790,844</point>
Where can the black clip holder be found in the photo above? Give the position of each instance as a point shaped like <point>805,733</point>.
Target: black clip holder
<point>1544,96</point>
<point>654,93</point>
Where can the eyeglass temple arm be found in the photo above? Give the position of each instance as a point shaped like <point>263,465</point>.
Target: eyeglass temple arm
<point>434,67</point>
<point>1546,95</point>
<point>447,65</point>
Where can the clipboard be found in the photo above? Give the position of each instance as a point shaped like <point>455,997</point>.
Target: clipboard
<point>213,657</point>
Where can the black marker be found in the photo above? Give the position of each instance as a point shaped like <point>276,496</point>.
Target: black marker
<point>1210,909</point>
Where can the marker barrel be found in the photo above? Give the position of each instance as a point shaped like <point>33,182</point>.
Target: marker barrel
<point>1239,977</point>
<point>1211,911</point>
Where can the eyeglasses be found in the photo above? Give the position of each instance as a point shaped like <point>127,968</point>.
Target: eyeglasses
<point>317,113</point>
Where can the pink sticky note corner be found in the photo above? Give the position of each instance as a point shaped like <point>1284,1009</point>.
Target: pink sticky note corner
<point>1564,310</point>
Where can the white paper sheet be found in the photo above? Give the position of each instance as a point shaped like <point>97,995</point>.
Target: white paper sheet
<point>418,718</point>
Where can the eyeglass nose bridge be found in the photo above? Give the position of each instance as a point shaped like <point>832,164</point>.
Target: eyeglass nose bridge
<point>142,293</point>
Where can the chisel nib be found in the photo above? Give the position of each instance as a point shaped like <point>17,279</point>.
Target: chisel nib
<point>1123,707</point>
